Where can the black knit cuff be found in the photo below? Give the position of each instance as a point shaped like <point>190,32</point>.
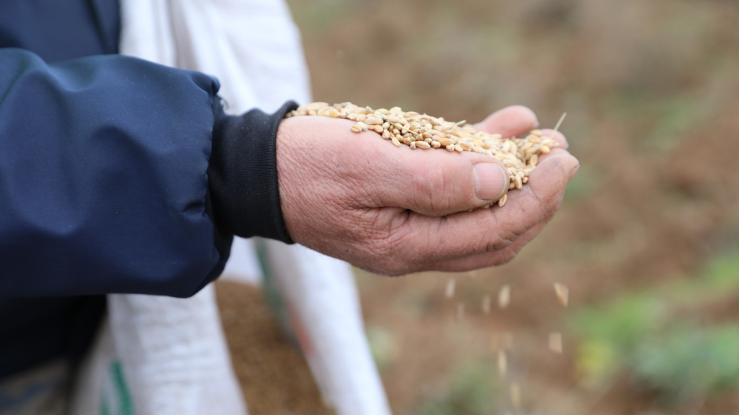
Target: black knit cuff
<point>242,175</point>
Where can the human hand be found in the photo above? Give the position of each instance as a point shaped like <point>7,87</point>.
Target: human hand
<point>395,210</point>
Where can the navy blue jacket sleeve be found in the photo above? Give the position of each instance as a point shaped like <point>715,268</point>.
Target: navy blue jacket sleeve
<point>104,177</point>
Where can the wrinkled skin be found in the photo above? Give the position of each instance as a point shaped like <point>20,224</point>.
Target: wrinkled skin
<point>394,211</point>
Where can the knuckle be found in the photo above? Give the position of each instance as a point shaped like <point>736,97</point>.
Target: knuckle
<point>502,240</point>
<point>430,189</point>
<point>504,237</point>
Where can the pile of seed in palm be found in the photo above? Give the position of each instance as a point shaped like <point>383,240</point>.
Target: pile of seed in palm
<point>420,131</point>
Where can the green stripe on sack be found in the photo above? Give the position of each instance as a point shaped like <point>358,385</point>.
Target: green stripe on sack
<point>104,408</point>
<point>125,404</point>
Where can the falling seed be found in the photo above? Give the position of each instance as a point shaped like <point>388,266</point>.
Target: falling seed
<point>450,285</point>
<point>504,296</point>
<point>502,363</point>
<point>486,304</point>
<point>515,392</point>
<point>555,342</point>
<point>563,293</point>
<point>460,311</point>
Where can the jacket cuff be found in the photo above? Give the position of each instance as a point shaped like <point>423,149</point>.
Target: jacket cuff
<point>242,174</point>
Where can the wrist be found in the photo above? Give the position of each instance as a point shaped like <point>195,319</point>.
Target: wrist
<point>242,175</point>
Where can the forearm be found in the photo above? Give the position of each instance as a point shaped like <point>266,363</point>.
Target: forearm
<point>104,177</point>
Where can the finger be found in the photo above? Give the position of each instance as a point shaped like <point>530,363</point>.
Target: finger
<point>492,258</point>
<point>429,182</point>
<point>489,230</point>
<point>510,252</point>
<point>559,138</point>
<point>556,136</point>
<point>509,122</point>
<point>434,182</point>
<point>428,194</point>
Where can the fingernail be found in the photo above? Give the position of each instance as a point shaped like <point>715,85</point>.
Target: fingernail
<point>575,168</point>
<point>574,171</point>
<point>491,181</point>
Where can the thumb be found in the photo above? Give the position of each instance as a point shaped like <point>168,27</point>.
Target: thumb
<point>436,183</point>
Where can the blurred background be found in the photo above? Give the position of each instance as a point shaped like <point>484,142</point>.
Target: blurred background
<point>647,239</point>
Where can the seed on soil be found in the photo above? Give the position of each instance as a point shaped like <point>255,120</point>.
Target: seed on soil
<point>563,293</point>
<point>555,342</point>
<point>422,131</point>
<point>504,296</point>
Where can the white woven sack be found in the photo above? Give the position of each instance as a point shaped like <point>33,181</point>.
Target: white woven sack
<point>171,353</point>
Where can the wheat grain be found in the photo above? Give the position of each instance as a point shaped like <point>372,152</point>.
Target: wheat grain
<point>555,342</point>
<point>422,144</point>
<point>449,292</point>
<point>562,292</point>
<point>504,296</point>
<point>502,362</point>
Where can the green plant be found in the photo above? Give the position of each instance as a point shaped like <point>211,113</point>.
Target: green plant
<point>621,323</point>
<point>382,345</point>
<point>639,334</point>
<point>688,362</point>
<point>472,390</point>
